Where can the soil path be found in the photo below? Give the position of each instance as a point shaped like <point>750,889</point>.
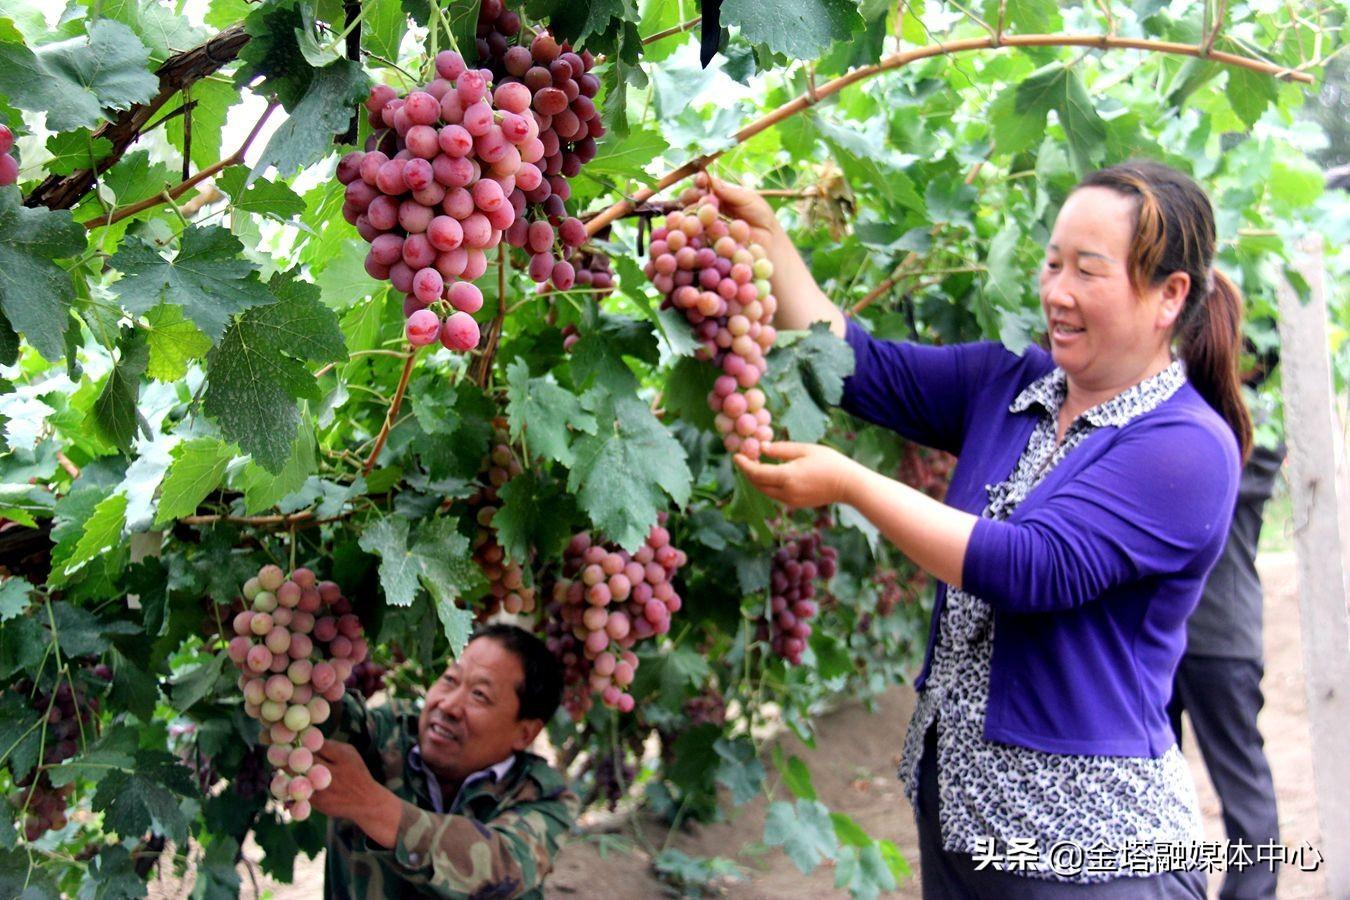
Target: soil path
<point>854,770</point>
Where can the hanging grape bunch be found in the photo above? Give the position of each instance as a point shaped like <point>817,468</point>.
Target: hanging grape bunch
<point>708,269</point>
<point>562,93</point>
<point>797,564</point>
<point>295,647</point>
<point>9,166</point>
<point>506,577</point>
<point>438,184</point>
<point>604,603</point>
<point>71,718</point>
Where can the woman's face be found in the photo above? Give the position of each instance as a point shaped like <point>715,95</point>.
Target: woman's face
<point>1103,334</point>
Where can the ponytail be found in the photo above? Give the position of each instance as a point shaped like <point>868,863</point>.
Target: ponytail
<point>1210,341</point>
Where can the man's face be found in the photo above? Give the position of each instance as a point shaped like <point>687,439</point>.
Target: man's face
<point>470,719</point>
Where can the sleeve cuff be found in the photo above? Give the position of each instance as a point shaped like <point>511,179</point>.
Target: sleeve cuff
<point>416,834</point>
<point>858,341</point>
<point>986,557</point>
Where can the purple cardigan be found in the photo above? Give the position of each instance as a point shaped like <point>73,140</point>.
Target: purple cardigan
<point>1092,577</point>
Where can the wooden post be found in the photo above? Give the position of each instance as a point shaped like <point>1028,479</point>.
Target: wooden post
<point>1313,434</point>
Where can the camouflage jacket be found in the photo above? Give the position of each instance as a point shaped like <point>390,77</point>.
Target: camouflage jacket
<point>498,840</point>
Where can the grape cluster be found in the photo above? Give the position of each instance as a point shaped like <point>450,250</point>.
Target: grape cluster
<point>926,470</point>
<point>253,778</point>
<point>613,775</point>
<point>604,603</point>
<point>708,269</point>
<point>295,647</point>
<point>562,96</point>
<point>367,678</point>
<point>796,565</point>
<point>440,181</point>
<point>506,577</point>
<point>9,166</point>
<point>709,707</point>
<point>70,713</point>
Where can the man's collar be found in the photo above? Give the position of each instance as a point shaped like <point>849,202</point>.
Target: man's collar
<point>493,773</point>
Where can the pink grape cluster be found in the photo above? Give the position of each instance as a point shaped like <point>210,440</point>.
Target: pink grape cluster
<point>606,601</point>
<point>69,714</point>
<point>792,587</point>
<point>506,577</point>
<point>9,166</point>
<point>563,91</point>
<point>708,269</point>
<point>440,181</point>
<point>294,647</point>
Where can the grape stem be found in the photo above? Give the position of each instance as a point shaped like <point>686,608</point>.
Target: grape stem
<point>389,418</point>
<point>897,60</point>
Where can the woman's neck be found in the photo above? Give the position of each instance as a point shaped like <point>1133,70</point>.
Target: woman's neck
<point>1083,396</point>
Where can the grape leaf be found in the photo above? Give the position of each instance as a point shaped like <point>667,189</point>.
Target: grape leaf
<point>796,776</point>
<point>133,803</point>
<point>463,16</point>
<point>1025,16</point>
<point>550,411</point>
<point>198,682</point>
<point>102,532</point>
<point>14,593</point>
<point>863,871</point>
<point>263,489</point>
<point>384,25</point>
<point>628,155</point>
<point>257,372</point>
<point>80,632</point>
<point>1250,93</point>
<point>739,770</point>
<point>625,472</point>
<point>73,81</point>
<point>273,50</point>
<point>208,278</point>
<point>173,342</point>
<point>73,150</point>
<point>273,199</point>
<point>196,470</point>
<point>112,875</point>
<point>114,415</point>
<point>809,375</point>
<point>801,29</point>
<point>1059,88</point>
<point>694,760</point>
<point>534,512</point>
<point>325,110</point>
<point>20,732</point>
<point>115,750</point>
<point>803,830</point>
<point>35,292</point>
<point>439,560</point>
<point>163,30</point>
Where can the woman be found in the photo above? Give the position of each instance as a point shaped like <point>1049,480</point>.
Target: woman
<point>1092,496</point>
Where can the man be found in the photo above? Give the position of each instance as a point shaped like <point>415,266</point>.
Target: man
<point>1218,683</point>
<point>448,803</point>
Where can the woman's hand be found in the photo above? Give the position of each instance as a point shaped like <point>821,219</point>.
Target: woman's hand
<point>811,475</point>
<point>743,203</point>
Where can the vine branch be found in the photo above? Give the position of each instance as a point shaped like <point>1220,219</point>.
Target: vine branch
<point>897,60</point>
<point>389,418</point>
<point>170,194</point>
<point>176,73</point>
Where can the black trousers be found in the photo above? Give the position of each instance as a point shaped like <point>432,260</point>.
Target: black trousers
<point>1222,697</point>
<point>952,876</point>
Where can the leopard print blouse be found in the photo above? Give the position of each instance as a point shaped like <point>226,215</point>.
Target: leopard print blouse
<point>1001,791</point>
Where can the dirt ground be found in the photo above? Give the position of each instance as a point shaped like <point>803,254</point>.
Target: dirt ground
<point>854,764</point>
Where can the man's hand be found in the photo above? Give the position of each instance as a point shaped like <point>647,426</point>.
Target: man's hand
<point>811,475</point>
<point>355,794</point>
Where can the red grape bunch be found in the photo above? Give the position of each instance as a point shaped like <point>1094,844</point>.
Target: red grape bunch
<point>71,716</point>
<point>9,166</point>
<point>562,89</point>
<point>792,585</point>
<point>439,183</point>
<point>708,269</point>
<point>295,647</point>
<point>606,601</point>
<point>506,577</point>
